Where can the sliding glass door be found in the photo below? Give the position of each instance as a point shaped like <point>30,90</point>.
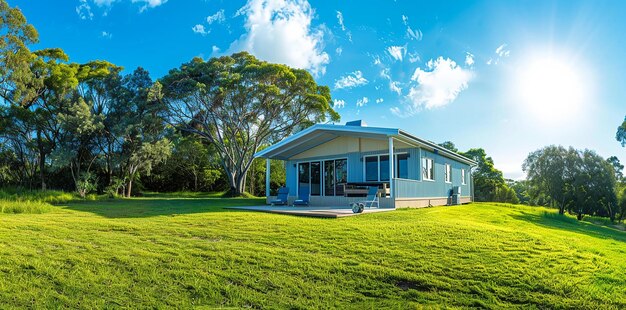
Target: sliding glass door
<point>335,176</point>
<point>332,174</point>
<point>309,175</point>
<point>316,178</point>
<point>329,178</point>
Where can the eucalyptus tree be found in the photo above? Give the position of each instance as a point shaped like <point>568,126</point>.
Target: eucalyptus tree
<point>593,186</point>
<point>141,126</point>
<point>617,167</point>
<point>551,170</point>
<point>238,103</point>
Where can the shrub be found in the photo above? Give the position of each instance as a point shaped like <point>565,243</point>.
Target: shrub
<point>24,207</point>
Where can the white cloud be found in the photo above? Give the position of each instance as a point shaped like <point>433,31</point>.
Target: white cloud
<point>338,103</point>
<point>353,79</point>
<point>469,59</point>
<point>339,50</point>
<point>107,35</point>
<point>410,33</point>
<point>104,2</point>
<point>200,29</point>
<point>218,17</point>
<point>380,100</point>
<point>501,52</point>
<point>280,31</point>
<point>396,111</point>
<point>84,10</point>
<point>437,86</point>
<point>343,26</point>
<point>377,60</point>
<point>147,3</point>
<point>215,49</point>
<point>414,57</point>
<point>394,86</point>
<point>362,102</point>
<point>340,20</point>
<point>397,52</point>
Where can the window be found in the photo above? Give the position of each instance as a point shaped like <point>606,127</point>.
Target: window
<point>402,166</point>
<point>371,168</point>
<point>428,171</point>
<point>384,167</point>
<point>463,176</point>
<point>448,173</point>
<point>377,167</point>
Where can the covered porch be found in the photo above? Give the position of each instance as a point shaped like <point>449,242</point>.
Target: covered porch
<point>329,159</point>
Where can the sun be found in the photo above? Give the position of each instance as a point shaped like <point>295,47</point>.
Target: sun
<point>551,88</point>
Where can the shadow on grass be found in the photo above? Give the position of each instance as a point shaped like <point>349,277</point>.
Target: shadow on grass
<point>557,221</point>
<point>159,206</point>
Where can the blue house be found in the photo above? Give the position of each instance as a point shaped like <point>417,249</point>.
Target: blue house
<point>338,163</point>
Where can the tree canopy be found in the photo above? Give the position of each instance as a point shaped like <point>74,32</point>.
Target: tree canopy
<point>238,103</point>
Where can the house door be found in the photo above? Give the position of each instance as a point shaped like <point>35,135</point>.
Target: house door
<point>309,175</point>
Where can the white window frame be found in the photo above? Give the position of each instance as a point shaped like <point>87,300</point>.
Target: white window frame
<point>447,172</point>
<point>431,170</point>
<point>395,169</point>
<point>463,182</point>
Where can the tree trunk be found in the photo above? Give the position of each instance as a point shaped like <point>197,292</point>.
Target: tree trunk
<point>42,167</point>
<point>130,187</point>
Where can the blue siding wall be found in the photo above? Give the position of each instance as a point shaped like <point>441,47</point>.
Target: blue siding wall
<point>436,188</point>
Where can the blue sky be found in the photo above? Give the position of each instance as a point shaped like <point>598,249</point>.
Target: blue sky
<point>507,76</point>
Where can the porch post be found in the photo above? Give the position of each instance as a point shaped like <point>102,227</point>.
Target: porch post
<point>391,170</point>
<point>267,177</point>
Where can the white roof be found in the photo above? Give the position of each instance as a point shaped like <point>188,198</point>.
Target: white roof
<point>321,133</point>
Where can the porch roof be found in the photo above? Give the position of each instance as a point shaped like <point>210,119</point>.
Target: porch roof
<point>321,133</point>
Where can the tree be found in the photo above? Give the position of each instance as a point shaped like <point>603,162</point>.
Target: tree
<point>238,103</point>
<point>620,135</point>
<point>593,188</point>
<point>617,167</point>
<point>76,147</point>
<point>449,146</point>
<point>580,182</point>
<point>551,170</point>
<point>18,84</point>
<point>488,181</point>
<point>141,127</point>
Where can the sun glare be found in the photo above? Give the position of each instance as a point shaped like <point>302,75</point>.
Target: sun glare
<point>551,89</point>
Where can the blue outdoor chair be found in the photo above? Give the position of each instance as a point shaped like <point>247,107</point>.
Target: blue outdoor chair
<point>283,193</point>
<point>303,197</point>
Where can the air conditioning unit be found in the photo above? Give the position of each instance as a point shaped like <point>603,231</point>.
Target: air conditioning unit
<point>456,190</point>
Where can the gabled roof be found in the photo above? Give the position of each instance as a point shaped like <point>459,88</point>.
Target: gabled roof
<point>321,133</point>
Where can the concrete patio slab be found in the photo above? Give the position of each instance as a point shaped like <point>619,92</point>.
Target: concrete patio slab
<point>311,211</point>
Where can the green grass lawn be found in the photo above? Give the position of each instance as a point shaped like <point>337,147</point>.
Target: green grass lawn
<point>185,252</point>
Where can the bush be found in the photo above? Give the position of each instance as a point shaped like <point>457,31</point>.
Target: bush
<point>17,207</point>
<point>48,196</point>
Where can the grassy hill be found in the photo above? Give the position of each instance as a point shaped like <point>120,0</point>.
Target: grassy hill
<point>184,252</point>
